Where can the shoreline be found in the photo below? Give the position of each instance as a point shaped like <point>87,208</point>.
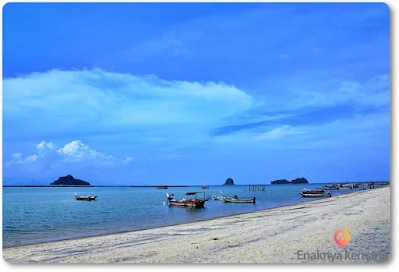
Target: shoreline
<point>231,238</point>
<point>179,224</point>
<point>182,186</point>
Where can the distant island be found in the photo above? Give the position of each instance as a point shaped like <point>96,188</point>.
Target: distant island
<point>299,180</point>
<point>69,180</point>
<point>294,181</point>
<point>229,181</point>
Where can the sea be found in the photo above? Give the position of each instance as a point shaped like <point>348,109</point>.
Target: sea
<point>42,214</point>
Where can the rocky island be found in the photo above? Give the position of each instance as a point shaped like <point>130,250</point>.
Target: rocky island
<point>281,181</point>
<point>69,181</point>
<point>294,181</point>
<point>299,181</point>
<point>229,181</point>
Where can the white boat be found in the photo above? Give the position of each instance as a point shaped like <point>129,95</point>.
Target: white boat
<point>346,186</point>
<point>214,197</point>
<point>314,193</point>
<point>221,197</point>
<point>331,187</point>
<point>240,200</point>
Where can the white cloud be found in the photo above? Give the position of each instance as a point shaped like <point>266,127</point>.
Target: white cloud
<point>262,137</point>
<point>73,104</point>
<point>16,156</point>
<point>278,133</point>
<point>45,145</point>
<point>158,112</point>
<point>128,160</point>
<point>31,158</point>
<point>120,98</point>
<point>75,152</point>
<point>309,91</point>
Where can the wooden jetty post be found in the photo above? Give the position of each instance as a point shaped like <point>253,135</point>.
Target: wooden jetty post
<point>260,187</point>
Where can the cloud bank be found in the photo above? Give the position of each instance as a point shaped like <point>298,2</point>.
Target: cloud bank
<point>83,100</point>
<point>48,157</point>
<point>132,119</point>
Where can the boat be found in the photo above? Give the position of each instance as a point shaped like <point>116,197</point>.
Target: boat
<point>315,193</point>
<point>204,186</point>
<point>162,187</point>
<point>221,197</point>
<point>346,186</point>
<point>215,197</point>
<point>331,187</point>
<point>192,200</point>
<point>86,198</point>
<point>235,199</point>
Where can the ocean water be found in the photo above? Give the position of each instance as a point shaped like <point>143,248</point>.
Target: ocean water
<point>35,215</point>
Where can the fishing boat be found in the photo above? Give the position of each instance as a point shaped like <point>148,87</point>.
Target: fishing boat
<point>235,199</point>
<point>191,199</point>
<point>315,193</point>
<point>215,197</point>
<point>331,187</point>
<point>86,198</point>
<point>221,197</point>
<point>347,186</point>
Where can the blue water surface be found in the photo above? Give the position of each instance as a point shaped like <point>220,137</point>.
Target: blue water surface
<point>34,215</point>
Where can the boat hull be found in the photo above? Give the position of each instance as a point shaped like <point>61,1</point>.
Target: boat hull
<point>190,203</point>
<point>315,195</point>
<point>250,200</point>
<point>218,198</point>
<point>86,198</point>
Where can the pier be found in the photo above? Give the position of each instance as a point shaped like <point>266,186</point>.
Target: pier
<point>261,187</point>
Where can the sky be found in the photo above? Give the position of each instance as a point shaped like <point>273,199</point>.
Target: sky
<point>194,93</point>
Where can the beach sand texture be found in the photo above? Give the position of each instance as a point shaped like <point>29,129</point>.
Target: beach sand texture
<point>271,236</point>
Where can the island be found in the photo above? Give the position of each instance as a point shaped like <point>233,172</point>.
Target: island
<point>229,181</point>
<point>299,181</point>
<point>294,181</point>
<point>280,181</point>
<point>69,180</point>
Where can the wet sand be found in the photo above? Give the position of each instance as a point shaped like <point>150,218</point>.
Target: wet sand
<point>282,235</point>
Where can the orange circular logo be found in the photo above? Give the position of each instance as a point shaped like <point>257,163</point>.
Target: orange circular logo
<point>342,237</point>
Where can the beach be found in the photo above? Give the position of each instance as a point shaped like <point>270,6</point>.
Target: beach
<point>289,234</point>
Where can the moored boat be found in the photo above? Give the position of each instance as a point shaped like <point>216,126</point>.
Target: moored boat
<point>215,197</point>
<point>331,187</point>
<point>221,197</point>
<point>86,198</point>
<point>191,200</point>
<point>348,186</point>
<point>235,199</point>
<point>315,193</point>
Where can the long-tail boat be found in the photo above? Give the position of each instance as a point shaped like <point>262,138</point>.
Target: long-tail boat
<point>314,193</point>
<point>191,199</point>
<point>235,199</point>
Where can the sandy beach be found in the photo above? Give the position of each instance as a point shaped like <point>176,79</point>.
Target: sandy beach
<point>280,235</point>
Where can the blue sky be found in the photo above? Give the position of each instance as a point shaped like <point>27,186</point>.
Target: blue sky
<point>195,93</point>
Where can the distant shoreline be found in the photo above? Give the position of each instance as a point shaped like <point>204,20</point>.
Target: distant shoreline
<point>91,186</point>
<point>183,186</point>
